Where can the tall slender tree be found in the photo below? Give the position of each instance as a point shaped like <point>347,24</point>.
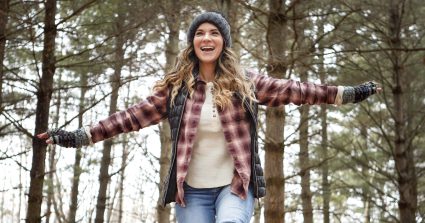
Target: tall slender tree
<point>52,162</point>
<point>325,187</point>
<point>172,20</point>
<point>44,94</point>
<point>124,162</point>
<point>403,153</point>
<point>367,201</point>
<point>302,61</point>
<point>4,11</point>
<point>78,153</point>
<point>275,117</point>
<point>107,144</point>
<point>231,11</point>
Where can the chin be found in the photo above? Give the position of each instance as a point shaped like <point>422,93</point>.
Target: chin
<point>208,61</point>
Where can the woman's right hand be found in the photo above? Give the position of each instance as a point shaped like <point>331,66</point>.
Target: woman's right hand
<point>46,137</point>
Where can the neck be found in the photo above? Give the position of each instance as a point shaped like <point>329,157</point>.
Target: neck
<point>207,71</point>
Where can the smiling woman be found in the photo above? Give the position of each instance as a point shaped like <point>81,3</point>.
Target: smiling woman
<point>211,105</point>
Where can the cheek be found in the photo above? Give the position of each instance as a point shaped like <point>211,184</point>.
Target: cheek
<point>221,45</point>
<point>221,49</point>
<point>197,52</point>
<point>220,41</point>
<point>196,47</point>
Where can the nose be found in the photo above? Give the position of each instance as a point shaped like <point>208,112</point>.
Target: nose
<point>207,37</point>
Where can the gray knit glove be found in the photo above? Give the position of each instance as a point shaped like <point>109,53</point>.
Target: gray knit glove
<point>358,93</point>
<point>67,139</point>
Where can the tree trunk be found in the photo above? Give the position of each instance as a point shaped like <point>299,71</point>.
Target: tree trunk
<point>50,185</point>
<point>58,203</point>
<point>275,118</point>
<point>44,94</point>
<point>50,189</point>
<point>304,159</point>
<point>122,179</point>
<point>403,153</point>
<point>4,11</point>
<point>163,213</point>
<point>107,144</point>
<point>326,193</point>
<point>111,202</point>
<point>2,204</point>
<point>366,196</point>
<point>257,212</point>
<point>230,10</point>
<point>77,163</point>
<point>52,162</point>
<point>20,190</point>
<point>302,61</point>
<point>171,52</point>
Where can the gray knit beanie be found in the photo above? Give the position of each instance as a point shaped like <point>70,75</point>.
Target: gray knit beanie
<point>215,18</point>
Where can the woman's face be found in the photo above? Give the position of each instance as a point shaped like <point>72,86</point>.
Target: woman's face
<point>208,43</point>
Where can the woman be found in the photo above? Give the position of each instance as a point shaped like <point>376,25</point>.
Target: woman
<point>211,105</point>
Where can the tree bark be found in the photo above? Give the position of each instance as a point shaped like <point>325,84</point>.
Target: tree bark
<point>257,212</point>
<point>50,184</point>
<point>111,194</point>
<point>367,201</point>
<point>78,154</point>
<point>50,189</point>
<point>171,52</point>
<point>275,118</point>
<point>4,12</point>
<point>302,61</point>
<point>52,164</point>
<point>44,94</point>
<point>20,190</point>
<point>230,10</point>
<point>304,158</point>
<point>122,179</point>
<point>2,206</point>
<point>107,144</point>
<point>326,193</point>
<point>403,153</point>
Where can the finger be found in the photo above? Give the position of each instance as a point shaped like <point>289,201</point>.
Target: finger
<point>43,135</point>
<point>49,141</point>
<point>378,90</point>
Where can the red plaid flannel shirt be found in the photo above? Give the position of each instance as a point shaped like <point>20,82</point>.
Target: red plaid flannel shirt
<point>268,91</point>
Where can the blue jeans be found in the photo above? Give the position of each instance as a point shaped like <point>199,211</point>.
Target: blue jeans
<point>210,205</point>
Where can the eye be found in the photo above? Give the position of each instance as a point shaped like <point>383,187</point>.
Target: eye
<point>199,33</point>
<point>215,33</point>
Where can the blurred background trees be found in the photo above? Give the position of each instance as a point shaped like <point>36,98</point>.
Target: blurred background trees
<point>67,64</point>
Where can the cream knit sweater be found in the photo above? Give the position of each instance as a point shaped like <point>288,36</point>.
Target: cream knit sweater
<point>211,165</point>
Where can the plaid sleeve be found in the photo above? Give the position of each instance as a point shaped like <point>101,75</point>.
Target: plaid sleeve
<point>148,112</point>
<point>274,92</point>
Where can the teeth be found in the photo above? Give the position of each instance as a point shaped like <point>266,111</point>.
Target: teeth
<point>207,48</point>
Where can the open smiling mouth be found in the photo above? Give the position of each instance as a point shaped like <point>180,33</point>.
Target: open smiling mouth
<point>207,48</point>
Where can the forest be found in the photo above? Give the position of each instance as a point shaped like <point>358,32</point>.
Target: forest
<point>70,63</point>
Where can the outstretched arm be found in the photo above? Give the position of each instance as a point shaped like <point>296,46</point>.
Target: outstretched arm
<point>148,112</point>
<point>274,92</point>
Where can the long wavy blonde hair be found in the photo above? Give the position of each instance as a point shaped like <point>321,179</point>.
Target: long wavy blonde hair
<point>229,77</point>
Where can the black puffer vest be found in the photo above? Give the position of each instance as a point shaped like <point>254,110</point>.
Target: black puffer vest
<point>175,115</point>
